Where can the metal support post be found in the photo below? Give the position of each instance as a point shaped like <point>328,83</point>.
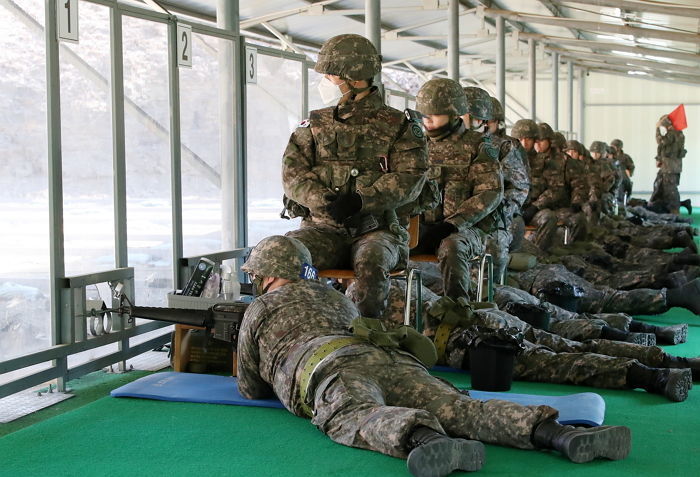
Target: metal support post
<point>555,91</point>
<point>501,60</point>
<point>453,40</point>
<point>532,77</point>
<point>582,107</point>
<point>570,95</point>
<point>373,28</point>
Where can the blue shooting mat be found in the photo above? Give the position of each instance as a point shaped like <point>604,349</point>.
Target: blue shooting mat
<point>579,409</point>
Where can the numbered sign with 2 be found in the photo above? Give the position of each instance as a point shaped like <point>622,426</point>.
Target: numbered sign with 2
<point>184,45</point>
<point>67,18</point>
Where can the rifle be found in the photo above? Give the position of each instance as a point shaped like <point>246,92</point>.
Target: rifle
<point>224,319</point>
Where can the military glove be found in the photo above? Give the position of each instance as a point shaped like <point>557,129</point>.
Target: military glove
<point>431,241</point>
<point>529,212</point>
<point>343,206</point>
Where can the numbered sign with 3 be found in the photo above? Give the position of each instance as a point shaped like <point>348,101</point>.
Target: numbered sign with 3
<point>67,18</point>
<point>184,45</point>
<point>251,65</point>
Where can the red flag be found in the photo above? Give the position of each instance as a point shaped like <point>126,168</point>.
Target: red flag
<point>677,117</point>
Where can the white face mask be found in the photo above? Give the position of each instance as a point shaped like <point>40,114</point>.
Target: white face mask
<point>330,93</point>
<point>663,130</point>
<point>477,125</point>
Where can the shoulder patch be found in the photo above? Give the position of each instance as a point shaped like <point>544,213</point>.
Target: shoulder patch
<point>491,150</point>
<point>417,131</point>
<point>304,124</point>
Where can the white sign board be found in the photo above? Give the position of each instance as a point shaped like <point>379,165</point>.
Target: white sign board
<point>184,45</point>
<point>251,65</point>
<point>67,17</point>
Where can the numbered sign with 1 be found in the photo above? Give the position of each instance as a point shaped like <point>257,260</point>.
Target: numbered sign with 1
<point>184,45</point>
<point>251,65</point>
<point>67,18</point>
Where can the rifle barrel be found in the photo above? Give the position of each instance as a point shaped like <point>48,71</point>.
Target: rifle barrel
<point>182,316</point>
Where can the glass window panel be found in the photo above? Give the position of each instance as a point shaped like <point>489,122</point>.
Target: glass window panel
<point>274,110</point>
<point>147,125</point>
<point>314,98</point>
<point>86,141</point>
<point>395,101</point>
<point>25,297</point>
<point>205,98</point>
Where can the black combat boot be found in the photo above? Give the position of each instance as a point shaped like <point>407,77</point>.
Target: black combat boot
<point>687,296</point>
<point>673,334</point>
<point>688,206</point>
<point>672,383</point>
<point>693,364</point>
<point>644,339</point>
<point>684,239</point>
<point>436,455</point>
<point>583,444</point>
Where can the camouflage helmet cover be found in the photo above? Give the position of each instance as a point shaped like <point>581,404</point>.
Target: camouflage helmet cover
<point>598,146</point>
<point>278,256</point>
<point>479,104</point>
<point>559,141</point>
<point>524,128</point>
<point>441,96</point>
<point>573,144</point>
<point>498,113</point>
<point>545,131</point>
<point>616,143</point>
<point>349,56</point>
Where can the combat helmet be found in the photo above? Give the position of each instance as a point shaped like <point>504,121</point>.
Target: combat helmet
<point>598,146</point>
<point>498,113</point>
<point>352,57</point>
<point>279,256</point>
<point>524,128</point>
<point>559,141</point>
<point>545,131</point>
<point>616,143</point>
<point>573,144</point>
<point>479,104</point>
<point>562,294</point>
<point>441,96</point>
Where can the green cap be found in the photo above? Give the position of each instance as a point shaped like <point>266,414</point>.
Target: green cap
<point>524,128</point>
<point>349,56</point>
<point>441,96</point>
<point>279,256</point>
<point>479,104</point>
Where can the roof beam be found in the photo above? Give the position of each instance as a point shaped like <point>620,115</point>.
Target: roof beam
<point>439,52</point>
<point>601,66</point>
<point>628,60</point>
<point>596,26</point>
<point>691,82</point>
<point>642,6</point>
<point>393,34</point>
<point>284,13</point>
<point>598,45</point>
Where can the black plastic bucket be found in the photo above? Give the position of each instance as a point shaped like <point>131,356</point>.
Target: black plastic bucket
<point>491,366</point>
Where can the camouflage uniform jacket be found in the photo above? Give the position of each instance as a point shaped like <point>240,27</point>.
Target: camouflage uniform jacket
<point>626,162</point>
<point>670,151</point>
<point>363,146</point>
<point>280,331</point>
<point>601,177</point>
<point>469,178</point>
<point>516,174</point>
<point>557,181</point>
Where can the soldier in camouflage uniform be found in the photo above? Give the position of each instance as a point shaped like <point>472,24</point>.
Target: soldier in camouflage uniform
<point>526,132</point>
<point>295,343</point>
<point>643,301</point>
<point>558,192</point>
<point>548,357</point>
<point>602,190</point>
<point>670,152</point>
<point>627,165</point>
<point>591,208</point>
<point>516,184</point>
<point>349,168</point>
<point>465,166</point>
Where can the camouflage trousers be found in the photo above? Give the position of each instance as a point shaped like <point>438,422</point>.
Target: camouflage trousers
<point>498,245</point>
<point>454,254</point>
<point>665,191</point>
<point>546,221</point>
<point>567,324</point>
<point>644,301</point>
<point>372,256</point>
<point>375,399</point>
<point>550,358</point>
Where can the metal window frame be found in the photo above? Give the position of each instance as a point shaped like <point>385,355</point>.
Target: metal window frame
<point>68,293</point>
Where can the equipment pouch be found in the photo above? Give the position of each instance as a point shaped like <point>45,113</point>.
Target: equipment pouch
<point>402,337</point>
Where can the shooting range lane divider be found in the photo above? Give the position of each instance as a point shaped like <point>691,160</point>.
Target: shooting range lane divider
<point>574,409</point>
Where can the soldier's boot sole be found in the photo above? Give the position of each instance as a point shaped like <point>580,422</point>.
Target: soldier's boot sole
<point>679,383</point>
<point>644,339</point>
<point>606,442</point>
<point>674,334</point>
<point>444,456</point>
